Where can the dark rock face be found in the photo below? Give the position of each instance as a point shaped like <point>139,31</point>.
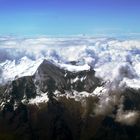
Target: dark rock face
<point>23,87</point>
<point>132,99</point>
<point>47,71</point>
<point>112,130</point>
<point>61,118</point>
<point>64,119</point>
<point>48,78</point>
<point>89,82</point>
<point>86,80</point>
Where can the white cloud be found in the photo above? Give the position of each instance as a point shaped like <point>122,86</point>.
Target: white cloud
<point>129,117</point>
<point>113,60</point>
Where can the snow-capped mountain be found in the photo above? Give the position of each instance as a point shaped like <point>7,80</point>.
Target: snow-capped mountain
<point>70,88</point>
<point>47,77</point>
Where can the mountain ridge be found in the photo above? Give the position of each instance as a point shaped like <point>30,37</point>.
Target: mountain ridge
<point>30,104</point>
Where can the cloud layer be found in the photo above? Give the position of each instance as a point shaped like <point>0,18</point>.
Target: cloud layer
<point>114,60</point>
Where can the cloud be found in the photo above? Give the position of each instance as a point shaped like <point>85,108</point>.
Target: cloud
<point>129,117</point>
<point>104,107</point>
<point>108,103</point>
<point>112,59</point>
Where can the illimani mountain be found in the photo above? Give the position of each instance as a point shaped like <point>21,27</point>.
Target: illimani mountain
<point>51,105</point>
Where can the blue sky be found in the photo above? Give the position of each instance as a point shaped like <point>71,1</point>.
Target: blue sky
<point>69,17</point>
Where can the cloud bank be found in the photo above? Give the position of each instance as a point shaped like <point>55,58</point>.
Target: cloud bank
<point>114,60</point>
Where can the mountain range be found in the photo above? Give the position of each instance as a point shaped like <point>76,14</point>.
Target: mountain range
<point>57,104</point>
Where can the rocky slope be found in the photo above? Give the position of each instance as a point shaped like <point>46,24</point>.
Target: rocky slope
<point>37,107</point>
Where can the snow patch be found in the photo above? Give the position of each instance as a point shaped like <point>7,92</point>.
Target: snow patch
<point>42,98</point>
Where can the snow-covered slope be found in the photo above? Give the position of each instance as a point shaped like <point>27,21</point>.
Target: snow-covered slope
<point>13,69</point>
